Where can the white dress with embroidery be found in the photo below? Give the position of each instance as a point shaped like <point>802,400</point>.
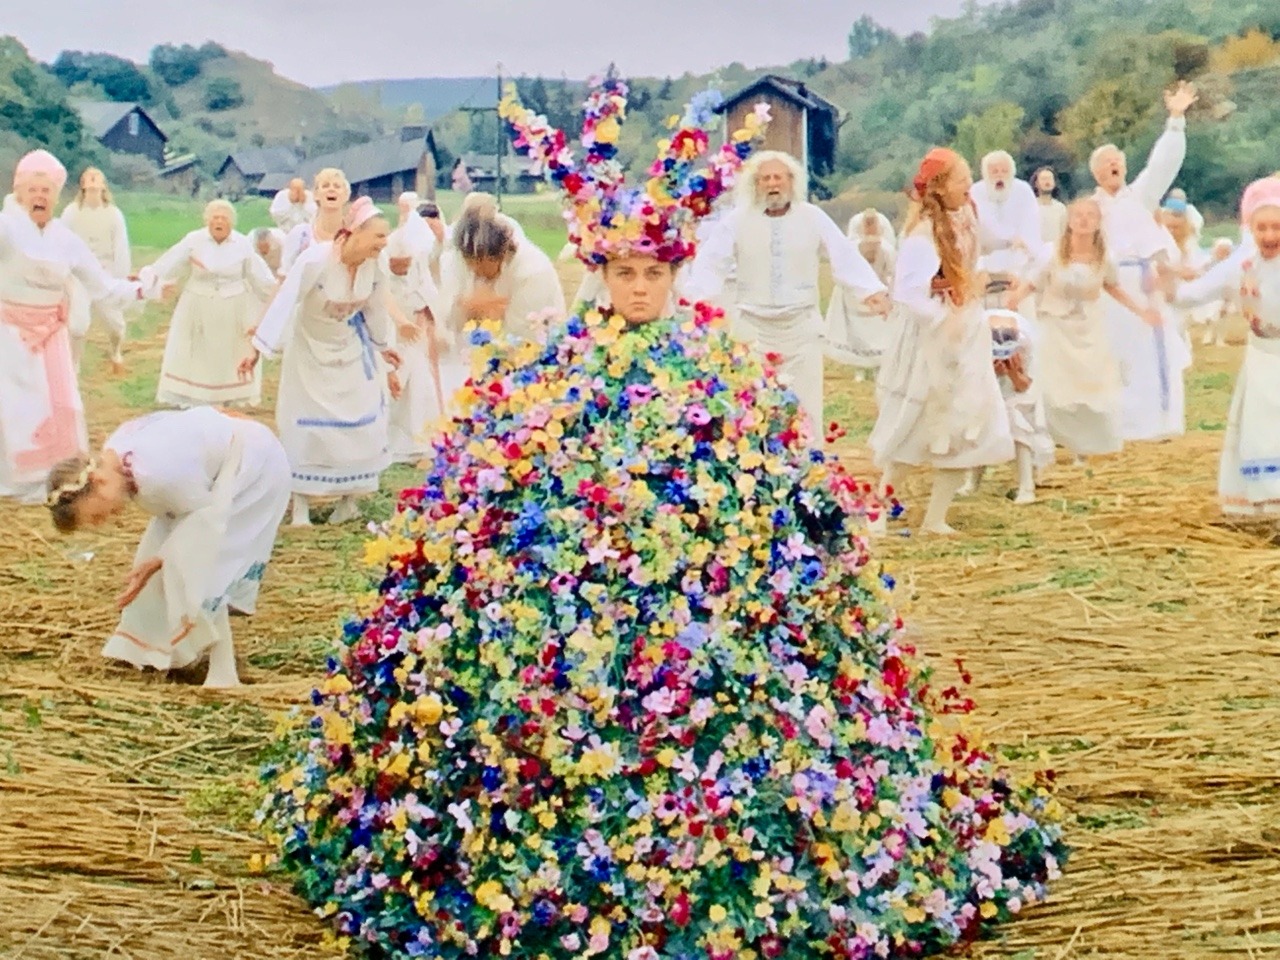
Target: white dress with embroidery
<point>1249,471</point>
<point>41,415</point>
<point>226,287</point>
<point>855,335</point>
<point>940,402</point>
<point>418,408</point>
<point>216,487</point>
<point>331,409</point>
<point>1078,372</point>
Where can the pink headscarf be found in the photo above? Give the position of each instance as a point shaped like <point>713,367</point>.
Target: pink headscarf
<point>40,163</point>
<point>1259,194</point>
<point>359,213</point>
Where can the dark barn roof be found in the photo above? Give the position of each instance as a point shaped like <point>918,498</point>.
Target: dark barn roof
<point>257,161</point>
<point>103,116</point>
<point>379,158</point>
<point>796,91</point>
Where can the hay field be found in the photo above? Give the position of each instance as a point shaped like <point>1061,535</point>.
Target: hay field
<point>1114,628</point>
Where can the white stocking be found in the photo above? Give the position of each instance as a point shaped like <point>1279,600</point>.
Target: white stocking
<point>222,664</point>
<point>945,485</point>
<point>1026,475</point>
<point>301,511</point>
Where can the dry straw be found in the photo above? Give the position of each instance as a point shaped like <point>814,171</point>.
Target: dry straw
<point>1114,628</point>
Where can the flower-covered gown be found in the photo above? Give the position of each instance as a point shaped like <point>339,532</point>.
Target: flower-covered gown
<point>632,688</point>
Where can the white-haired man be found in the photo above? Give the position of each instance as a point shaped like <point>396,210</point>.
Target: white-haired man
<point>292,206</point>
<point>772,243</point>
<point>1151,359</point>
<point>1008,220</point>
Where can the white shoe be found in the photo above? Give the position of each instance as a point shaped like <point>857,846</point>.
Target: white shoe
<point>967,489</point>
<point>346,511</point>
<point>1024,497</point>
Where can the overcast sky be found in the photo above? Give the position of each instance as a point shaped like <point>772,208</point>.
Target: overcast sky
<point>328,41</point>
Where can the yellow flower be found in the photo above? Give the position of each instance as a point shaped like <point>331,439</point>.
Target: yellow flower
<point>718,914</point>
<point>607,130</point>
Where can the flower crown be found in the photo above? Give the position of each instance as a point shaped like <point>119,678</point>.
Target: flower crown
<point>606,216</point>
<point>73,487</point>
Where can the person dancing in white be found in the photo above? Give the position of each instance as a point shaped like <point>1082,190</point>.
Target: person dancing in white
<point>331,317</point>
<point>771,243</point>
<point>1152,359</point>
<point>95,219</point>
<point>227,284</point>
<point>940,402</point>
<point>1249,471</point>
<point>856,334</point>
<point>41,414</point>
<point>332,191</point>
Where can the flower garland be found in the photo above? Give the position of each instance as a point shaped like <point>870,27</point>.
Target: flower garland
<point>631,687</point>
<point>605,216</point>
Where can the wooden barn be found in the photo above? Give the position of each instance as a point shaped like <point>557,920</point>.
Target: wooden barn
<point>180,175</point>
<point>517,173</point>
<point>803,125</point>
<point>124,128</point>
<point>242,172</point>
<point>383,169</point>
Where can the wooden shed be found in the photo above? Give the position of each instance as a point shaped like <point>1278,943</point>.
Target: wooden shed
<point>241,172</point>
<point>803,123</point>
<point>123,128</point>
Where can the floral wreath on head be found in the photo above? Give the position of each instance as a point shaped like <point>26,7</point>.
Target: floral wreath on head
<point>606,216</point>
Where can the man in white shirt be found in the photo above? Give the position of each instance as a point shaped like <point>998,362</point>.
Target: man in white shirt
<point>293,205</point>
<point>771,243</point>
<point>1008,220</point>
<point>1151,359</point>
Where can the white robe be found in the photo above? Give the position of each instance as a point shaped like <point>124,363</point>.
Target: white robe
<point>1249,471</point>
<point>855,335</point>
<point>288,214</point>
<point>1152,360</point>
<point>104,230</point>
<point>331,409</point>
<point>418,407</point>
<point>1053,220</point>
<point>296,242</point>
<point>1077,368</point>
<point>774,261</point>
<point>940,402</point>
<point>1009,229</point>
<point>528,281</point>
<point>41,414</point>
<point>227,285</point>
<point>216,487</point>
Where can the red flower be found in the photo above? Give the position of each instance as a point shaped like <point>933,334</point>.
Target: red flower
<point>680,910</point>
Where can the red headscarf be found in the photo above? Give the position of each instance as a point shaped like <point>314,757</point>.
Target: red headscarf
<point>934,163</point>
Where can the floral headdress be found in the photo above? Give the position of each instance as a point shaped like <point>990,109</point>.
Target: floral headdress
<point>608,217</point>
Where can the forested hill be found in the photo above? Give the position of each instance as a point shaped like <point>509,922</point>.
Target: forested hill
<point>1047,80</point>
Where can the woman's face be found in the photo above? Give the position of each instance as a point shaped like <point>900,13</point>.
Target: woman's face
<point>1045,182</point>
<point>1084,219</point>
<point>639,287</point>
<point>1265,225</point>
<point>219,225</point>
<point>38,196</point>
<point>486,268</point>
<point>956,187</point>
<point>371,239</point>
<point>331,193</point>
<point>107,496</point>
<point>93,183</point>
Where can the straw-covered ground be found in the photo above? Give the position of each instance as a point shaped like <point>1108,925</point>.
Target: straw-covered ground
<point>1115,631</point>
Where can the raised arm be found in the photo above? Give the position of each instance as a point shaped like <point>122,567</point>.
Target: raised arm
<point>1169,151</point>
<point>1219,283</point>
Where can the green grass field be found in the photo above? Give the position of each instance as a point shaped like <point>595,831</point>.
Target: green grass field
<point>157,221</point>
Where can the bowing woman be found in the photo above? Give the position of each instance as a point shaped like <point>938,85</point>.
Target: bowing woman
<point>331,319</point>
<point>41,415</point>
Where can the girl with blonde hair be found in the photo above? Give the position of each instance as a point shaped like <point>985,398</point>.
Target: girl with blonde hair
<point>95,219</point>
<point>940,402</point>
<point>1079,372</point>
<point>332,192</point>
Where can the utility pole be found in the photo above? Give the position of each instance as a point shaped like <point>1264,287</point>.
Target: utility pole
<point>502,138</point>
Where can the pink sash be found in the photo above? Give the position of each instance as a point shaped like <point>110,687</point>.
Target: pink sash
<point>43,331</point>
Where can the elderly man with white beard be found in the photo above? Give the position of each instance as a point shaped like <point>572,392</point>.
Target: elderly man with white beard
<point>771,243</point>
<point>1008,221</point>
<point>1151,359</point>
